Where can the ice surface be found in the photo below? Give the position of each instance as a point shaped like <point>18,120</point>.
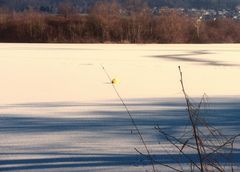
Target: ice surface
<point>58,111</point>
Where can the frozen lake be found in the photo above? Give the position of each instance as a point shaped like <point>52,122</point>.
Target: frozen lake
<point>58,111</point>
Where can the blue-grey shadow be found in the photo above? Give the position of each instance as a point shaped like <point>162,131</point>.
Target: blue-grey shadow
<point>190,57</point>
<point>100,160</point>
<point>170,114</point>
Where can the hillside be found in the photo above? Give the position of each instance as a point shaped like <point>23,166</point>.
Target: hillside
<point>84,5</point>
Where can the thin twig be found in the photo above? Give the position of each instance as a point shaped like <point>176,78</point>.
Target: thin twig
<point>191,119</point>
<point>132,120</point>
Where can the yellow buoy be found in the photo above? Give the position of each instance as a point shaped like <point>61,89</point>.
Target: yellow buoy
<point>115,81</point>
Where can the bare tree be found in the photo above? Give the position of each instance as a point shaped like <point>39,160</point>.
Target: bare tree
<point>66,9</point>
<point>210,145</point>
<point>107,20</point>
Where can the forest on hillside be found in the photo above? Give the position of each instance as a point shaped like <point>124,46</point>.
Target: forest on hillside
<point>51,6</point>
<point>107,23</point>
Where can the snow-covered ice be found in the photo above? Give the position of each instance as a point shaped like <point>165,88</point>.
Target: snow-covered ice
<point>58,111</point>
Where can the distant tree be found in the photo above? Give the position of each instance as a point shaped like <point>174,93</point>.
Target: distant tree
<point>221,30</point>
<point>66,9</point>
<point>171,26</point>
<point>140,25</point>
<point>106,17</point>
<point>134,6</point>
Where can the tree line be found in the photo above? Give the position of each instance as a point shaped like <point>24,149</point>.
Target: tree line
<point>109,22</point>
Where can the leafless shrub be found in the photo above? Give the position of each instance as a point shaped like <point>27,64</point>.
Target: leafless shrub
<point>214,149</point>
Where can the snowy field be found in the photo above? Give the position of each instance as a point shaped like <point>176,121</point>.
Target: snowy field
<point>58,111</point>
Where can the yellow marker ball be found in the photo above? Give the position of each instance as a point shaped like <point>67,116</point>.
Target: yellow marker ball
<point>115,81</point>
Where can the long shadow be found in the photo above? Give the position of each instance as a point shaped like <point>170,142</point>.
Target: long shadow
<point>171,115</point>
<point>190,57</point>
<point>99,160</point>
